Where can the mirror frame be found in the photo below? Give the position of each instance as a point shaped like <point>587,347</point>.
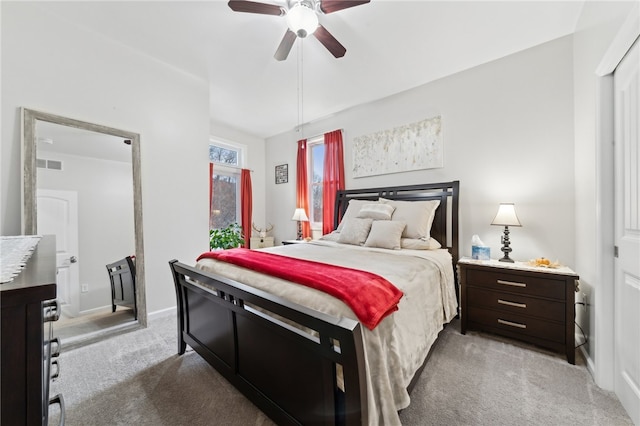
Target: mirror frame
<point>29,186</point>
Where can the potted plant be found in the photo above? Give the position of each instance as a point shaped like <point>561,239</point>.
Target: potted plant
<point>226,238</point>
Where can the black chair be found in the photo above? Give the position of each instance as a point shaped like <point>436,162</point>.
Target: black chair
<point>123,284</point>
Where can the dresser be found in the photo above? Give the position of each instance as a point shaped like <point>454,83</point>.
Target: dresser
<point>528,303</point>
<point>29,351</point>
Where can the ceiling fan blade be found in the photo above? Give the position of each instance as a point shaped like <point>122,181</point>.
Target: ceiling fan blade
<point>330,6</point>
<point>285,45</point>
<point>330,42</point>
<point>255,7</point>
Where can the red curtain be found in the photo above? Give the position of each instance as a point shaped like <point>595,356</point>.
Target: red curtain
<point>246,208</point>
<point>210,195</point>
<point>302,189</point>
<point>333,179</point>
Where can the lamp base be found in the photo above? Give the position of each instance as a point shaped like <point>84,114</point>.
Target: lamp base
<point>505,247</point>
<point>299,236</point>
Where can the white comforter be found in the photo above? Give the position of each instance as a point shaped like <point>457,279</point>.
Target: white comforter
<point>397,347</point>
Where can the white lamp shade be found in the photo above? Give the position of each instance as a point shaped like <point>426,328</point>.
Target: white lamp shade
<point>506,215</point>
<point>300,215</point>
<point>302,20</point>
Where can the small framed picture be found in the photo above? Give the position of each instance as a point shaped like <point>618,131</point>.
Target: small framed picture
<point>282,173</point>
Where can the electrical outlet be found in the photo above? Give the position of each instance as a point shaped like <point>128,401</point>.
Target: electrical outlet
<point>585,300</point>
<point>85,288</point>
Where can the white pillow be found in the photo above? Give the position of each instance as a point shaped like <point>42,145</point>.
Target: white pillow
<point>332,236</point>
<point>418,215</point>
<point>385,234</point>
<point>352,211</point>
<point>417,244</point>
<point>355,231</point>
<point>377,211</point>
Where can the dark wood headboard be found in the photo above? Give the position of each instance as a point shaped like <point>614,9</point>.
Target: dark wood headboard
<point>445,224</point>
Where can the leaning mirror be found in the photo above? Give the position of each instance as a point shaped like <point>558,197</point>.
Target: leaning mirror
<point>82,183</point>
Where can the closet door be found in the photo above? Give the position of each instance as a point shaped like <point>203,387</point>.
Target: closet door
<point>627,232</point>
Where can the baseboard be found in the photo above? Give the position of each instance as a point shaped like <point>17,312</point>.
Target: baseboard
<point>590,366</point>
<point>161,313</point>
<point>95,310</point>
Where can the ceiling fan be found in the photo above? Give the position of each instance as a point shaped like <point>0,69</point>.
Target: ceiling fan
<point>302,19</point>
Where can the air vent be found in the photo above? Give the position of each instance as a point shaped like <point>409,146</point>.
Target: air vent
<point>48,164</point>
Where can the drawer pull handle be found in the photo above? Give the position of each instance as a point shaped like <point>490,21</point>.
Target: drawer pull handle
<point>512,324</point>
<point>54,374</point>
<point>511,283</point>
<point>517,305</point>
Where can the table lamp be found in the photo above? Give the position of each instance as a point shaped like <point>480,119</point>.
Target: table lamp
<point>300,216</point>
<point>506,217</point>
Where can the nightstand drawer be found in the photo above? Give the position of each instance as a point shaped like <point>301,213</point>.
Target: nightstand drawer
<point>517,304</point>
<point>517,283</point>
<point>524,326</point>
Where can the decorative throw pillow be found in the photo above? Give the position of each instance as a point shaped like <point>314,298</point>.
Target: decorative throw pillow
<point>417,244</point>
<point>355,231</point>
<point>377,211</point>
<point>352,211</point>
<point>418,215</point>
<point>332,236</point>
<point>385,234</point>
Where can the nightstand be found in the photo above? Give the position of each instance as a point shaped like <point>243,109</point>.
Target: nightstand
<point>261,242</point>
<point>528,303</point>
<point>286,242</point>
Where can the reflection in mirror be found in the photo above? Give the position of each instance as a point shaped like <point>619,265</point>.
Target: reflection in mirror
<point>82,184</point>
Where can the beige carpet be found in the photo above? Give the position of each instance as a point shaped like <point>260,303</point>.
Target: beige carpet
<point>137,379</point>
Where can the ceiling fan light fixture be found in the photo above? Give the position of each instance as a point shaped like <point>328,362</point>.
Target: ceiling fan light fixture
<point>302,19</point>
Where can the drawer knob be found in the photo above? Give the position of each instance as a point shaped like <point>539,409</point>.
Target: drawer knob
<point>511,283</point>
<point>508,303</point>
<point>512,324</point>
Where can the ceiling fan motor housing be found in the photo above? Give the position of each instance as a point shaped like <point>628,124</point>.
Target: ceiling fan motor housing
<point>302,18</point>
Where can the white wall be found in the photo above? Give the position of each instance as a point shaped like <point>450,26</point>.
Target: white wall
<point>508,136</point>
<point>105,217</point>
<point>598,25</point>
<point>49,64</point>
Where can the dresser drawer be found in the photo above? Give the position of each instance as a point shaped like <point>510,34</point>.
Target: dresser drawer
<point>524,326</point>
<point>516,304</point>
<point>516,283</point>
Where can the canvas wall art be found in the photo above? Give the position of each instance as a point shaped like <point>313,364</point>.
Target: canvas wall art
<point>414,146</point>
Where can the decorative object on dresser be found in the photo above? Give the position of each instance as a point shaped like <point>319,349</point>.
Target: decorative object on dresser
<point>506,217</point>
<point>29,351</point>
<point>300,216</point>
<point>122,275</point>
<point>528,303</point>
<point>261,241</point>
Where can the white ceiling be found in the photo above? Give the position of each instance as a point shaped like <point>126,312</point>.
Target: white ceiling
<point>391,46</point>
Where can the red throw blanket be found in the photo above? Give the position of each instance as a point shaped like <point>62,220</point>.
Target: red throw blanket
<point>370,296</point>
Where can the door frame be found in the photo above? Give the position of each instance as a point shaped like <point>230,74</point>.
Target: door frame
<point>604,369</point>
<point>73,290</point>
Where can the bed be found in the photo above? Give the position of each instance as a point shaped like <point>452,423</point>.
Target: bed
<point>302,356</point>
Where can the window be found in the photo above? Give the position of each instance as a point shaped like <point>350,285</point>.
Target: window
<point>225,200</point>
<point>316,169</point>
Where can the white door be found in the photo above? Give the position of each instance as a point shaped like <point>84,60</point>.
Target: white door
<point>58,215</point>
<point>627,232</point>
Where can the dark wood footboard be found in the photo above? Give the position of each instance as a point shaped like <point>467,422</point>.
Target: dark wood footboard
<point>293,375</point>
